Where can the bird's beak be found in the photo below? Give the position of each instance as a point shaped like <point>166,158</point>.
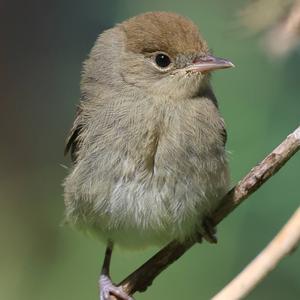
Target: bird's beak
<point>208,63</point>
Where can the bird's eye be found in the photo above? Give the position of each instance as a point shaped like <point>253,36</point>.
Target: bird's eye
<point>162,60</point>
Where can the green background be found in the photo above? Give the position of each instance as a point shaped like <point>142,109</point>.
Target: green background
<point>43,44</point>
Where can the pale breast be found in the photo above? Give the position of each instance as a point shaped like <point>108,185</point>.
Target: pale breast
<point>157,175</point>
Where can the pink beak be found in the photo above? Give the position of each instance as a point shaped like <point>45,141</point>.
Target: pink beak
<point>209,63</point>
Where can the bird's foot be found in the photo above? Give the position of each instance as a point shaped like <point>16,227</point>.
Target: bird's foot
<point>208,231</point>
<point>107,288</point>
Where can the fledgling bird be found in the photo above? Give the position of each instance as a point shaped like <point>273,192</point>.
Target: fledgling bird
<point>148,142</point>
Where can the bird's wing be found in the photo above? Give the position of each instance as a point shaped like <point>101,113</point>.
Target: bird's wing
<point>72,142</point>
<point>224,134</point>
<point>208,93</point>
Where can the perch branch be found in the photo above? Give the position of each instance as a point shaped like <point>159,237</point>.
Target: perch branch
<point>283,244</point>
<point>141,278</point>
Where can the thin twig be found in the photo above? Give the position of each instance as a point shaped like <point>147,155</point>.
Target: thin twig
<point>143,277</point>
<point>283,244</point>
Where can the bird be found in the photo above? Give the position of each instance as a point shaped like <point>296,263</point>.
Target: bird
<point>148,141</point>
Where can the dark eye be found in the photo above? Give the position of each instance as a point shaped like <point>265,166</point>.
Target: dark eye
<point>162,60</point>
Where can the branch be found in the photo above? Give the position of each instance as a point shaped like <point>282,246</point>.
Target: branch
<point>283,244</point>
<point>141,278</point>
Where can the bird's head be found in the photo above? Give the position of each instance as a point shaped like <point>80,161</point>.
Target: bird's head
<point>161,53</point>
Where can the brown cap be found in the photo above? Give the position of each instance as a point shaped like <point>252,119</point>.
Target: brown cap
<point>163,31</point>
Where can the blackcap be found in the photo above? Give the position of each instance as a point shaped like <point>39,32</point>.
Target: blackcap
<point>148,142</point>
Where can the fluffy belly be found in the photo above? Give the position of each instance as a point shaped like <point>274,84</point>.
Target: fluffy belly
<point>154,211</point>
<point>144,207</point>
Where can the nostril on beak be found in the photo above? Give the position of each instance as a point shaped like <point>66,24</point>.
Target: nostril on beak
<point>204,58</point>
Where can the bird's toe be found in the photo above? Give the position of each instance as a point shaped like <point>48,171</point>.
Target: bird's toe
<point>209,231</point>
<point>107,288</point>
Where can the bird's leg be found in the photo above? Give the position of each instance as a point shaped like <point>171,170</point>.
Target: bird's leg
<point>107,288</point>
<point>209,231</point>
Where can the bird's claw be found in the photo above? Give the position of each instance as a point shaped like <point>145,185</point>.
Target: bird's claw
<point>209,231</point>
<point>107,288</point>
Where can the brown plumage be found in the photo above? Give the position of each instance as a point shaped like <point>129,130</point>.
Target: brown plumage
<point>148,142</point>
<point>167,32</point>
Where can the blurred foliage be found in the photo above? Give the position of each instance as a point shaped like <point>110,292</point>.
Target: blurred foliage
<point>276,21</point>
<point>43,46</point>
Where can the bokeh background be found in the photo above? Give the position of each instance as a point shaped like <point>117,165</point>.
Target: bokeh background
<point>43,44</point>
